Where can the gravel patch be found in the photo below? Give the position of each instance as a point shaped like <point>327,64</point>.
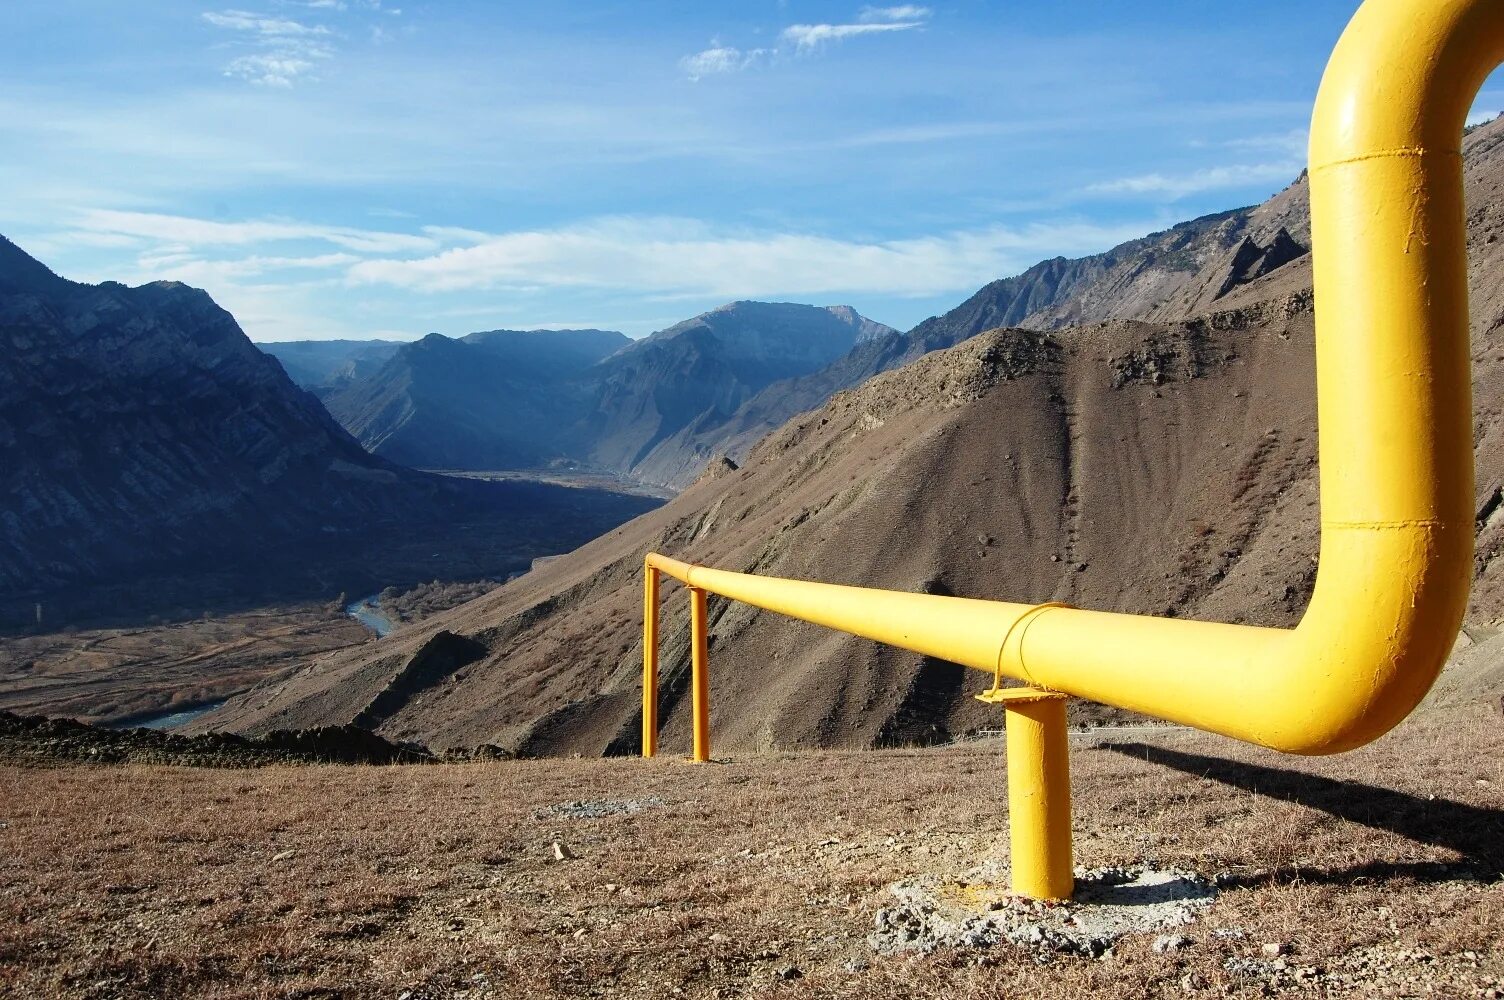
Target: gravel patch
<point>979,912</point>
<point>598,808</point>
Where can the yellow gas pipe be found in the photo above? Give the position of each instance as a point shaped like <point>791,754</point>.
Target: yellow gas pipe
<point>1395,412</point>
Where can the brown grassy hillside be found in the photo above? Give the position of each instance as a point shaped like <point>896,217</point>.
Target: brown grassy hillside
<point>1375,873</point>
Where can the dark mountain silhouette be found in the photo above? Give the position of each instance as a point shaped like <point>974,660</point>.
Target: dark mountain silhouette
<point>141,429</point>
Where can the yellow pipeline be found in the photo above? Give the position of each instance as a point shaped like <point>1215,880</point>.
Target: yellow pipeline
<point>699,673</point>
<point>1394,406</point>
<point>650,663</point>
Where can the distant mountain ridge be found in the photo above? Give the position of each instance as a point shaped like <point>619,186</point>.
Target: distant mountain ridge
<point>323,365</point>
<point>501,399</point>
<point>508,399</point>
<point>705,368</point>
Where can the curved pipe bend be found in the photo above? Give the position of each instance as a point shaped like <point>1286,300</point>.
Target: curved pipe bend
<point>1395,413</point>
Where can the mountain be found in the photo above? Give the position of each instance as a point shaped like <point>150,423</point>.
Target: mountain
<point>502,399</point>
<point>546,353</point>
<point>140,428</point>
<point>705,368</point>
<point>1167,276</point>
<point>1163,466</point>
<point>324,365</point>
<point>524,399</point>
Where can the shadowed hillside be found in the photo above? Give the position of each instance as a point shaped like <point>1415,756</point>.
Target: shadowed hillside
<point>142,432</point>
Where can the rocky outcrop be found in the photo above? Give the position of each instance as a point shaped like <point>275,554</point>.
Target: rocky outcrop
<point>1250,261</point>
<point>34,739</point>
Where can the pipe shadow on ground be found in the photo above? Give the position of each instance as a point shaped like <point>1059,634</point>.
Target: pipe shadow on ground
<point>1475,832</point>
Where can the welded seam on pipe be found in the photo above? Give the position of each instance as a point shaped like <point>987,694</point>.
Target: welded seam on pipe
<point>1403,152</point>
<point>1025,620</point>
<point>1022,666</point>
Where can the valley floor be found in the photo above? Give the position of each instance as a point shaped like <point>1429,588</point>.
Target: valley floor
<point>1377,873</point>
<point>115,675</point>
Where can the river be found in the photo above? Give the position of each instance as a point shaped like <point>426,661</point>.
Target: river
<point>167,720</point>
<point>368,612</point>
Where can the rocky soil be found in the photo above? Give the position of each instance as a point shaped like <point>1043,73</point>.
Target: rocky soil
<point>40,740</point>
<point>1374,874</point>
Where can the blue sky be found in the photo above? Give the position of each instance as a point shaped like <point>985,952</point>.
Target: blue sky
<point>383,168</point>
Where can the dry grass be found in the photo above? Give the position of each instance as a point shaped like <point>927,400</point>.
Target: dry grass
<point>1382,866</point>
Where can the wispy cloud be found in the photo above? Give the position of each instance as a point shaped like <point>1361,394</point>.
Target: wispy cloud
<point>193,270</point>
<point>720,59</point>
<point>810,37</point>
<point>803,39</point>
<point>289,50</point>
<point>1174,186</point>
<point>286,51</point>
<point>190,232</point>
<point>675,256</point>
<point>266,27</point>
<point>1293,142</point>
<point>279,69</point>
<point>904,12</point>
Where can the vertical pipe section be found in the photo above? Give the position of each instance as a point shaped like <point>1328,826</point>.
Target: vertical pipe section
<point>649,661</point>
<point>1039,799</point>
<point>699,644</point>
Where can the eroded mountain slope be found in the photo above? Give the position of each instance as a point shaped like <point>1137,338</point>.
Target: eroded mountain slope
<point>1126,465</point>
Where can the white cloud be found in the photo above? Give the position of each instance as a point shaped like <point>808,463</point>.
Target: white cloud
<point>1210,179</point>
<point>271,70</point>
<point>809,37</point>
<point>456,234</point>
<point>719,59</point>
<point>905,12</point>
<point>189,232</point>
<point>273,27</point>
<point>282,51</point>
<point>195,271</point>
<point>804,38</point>
<point>1293,142</point>
<point>671,256</point>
